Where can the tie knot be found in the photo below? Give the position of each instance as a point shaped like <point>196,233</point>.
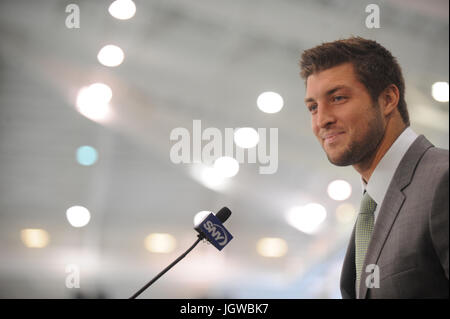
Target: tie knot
<point>368,205</point>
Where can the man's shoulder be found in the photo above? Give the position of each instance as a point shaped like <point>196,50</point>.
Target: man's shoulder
<point>423,167</point>
<point>423,163</point>
<point>436,157</point>
<point>431,170</point>
<point>423,153</point>
<point>438,152</point>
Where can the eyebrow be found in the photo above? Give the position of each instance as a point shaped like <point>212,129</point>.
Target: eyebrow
<point>329,92</point>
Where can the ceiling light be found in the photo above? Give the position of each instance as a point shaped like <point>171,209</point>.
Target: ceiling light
<point>110,55</point>
<point>34,238</point>
<point>271,247</point>
<point>160,243</point>
<point>211,177</point>
<point>345,213</point>
<point>246,137</point>
<point>339,190</point>
<point>78,216</point>
<point>226,166</point>
<point>439,91</point>
<point>270,102</point>
<point>86,155</point>
<point>92,101</point>
<point>306,218</point>
<point>200,216</point>
<point>122,9</point>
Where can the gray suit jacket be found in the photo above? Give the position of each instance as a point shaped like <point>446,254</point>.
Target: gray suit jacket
<point>409,243</point>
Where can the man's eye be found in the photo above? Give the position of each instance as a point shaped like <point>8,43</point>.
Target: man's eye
<point>312,108</point>
<point>339,98</point>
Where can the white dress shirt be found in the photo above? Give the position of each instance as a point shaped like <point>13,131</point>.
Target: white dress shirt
<point>384,172</point>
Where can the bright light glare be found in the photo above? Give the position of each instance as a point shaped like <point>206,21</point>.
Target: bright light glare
<point>339,190</point>
<point>86,155</point>
<point>78,216</point>
<point>211,177</point>
<point>92,101</point>
<point>110,55</point>
<point>160,243</point>
<point>246,137</point>
<point>226,166</point>
<point>122,9</point>
<point>307,218</point>
<point>34,238</point>
<point>270,102</point>
<point>272,247</point>
<point>200,216</point>
<point>439,91</point>
<point>101,92</point>
<point>345,213</point>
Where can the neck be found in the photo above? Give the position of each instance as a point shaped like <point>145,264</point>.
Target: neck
<point>366,167</point>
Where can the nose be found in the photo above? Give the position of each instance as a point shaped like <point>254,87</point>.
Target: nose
<point>324,116</point>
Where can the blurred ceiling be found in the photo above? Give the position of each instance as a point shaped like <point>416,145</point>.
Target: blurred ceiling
<point>184,60</point>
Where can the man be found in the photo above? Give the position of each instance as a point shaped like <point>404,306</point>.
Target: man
<point>355,94</point>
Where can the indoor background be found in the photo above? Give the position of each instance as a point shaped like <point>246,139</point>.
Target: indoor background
<point>92,205</point>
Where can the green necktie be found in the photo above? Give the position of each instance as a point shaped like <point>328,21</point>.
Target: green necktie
<point>363,232</point>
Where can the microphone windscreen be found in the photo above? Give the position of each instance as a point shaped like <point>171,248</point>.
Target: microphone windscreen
<point>223,214</point>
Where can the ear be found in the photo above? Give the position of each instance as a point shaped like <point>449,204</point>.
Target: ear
<point>388,99</point>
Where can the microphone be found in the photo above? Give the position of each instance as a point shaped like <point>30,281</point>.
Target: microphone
<point>223,214</point>
<point>210,228</point>
<point>213,230</point>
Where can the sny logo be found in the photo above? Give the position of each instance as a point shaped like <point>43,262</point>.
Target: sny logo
<point>216,233</point>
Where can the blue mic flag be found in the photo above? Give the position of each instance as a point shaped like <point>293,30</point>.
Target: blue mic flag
<point>212,228</point>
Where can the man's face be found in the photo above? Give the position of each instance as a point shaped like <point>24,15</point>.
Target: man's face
<point>347,123</point>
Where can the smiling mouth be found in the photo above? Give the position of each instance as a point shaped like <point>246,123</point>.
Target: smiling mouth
<point>332,138</point>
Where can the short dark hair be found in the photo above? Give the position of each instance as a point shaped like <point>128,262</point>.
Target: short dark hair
<point>374,66</point>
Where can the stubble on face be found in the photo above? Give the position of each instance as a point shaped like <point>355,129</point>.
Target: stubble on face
<point>362,147</point>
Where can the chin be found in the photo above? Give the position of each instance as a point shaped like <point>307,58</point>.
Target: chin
<point>339,160</point>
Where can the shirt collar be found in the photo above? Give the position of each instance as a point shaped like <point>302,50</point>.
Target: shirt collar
<point>382,175</point>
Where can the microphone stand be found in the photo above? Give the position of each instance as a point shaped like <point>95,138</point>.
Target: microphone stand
<point>200,237</point>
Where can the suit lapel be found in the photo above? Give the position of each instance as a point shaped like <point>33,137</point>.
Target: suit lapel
<point>392,204</point>
<point>388,212</point>
<point>348,273</point>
